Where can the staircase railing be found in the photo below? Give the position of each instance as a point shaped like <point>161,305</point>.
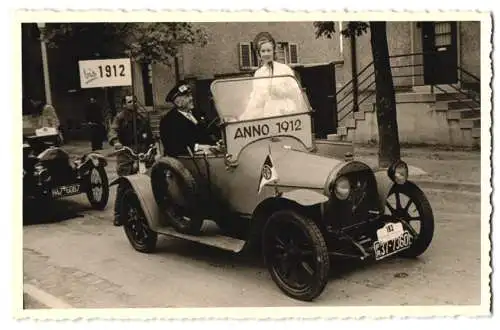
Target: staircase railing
<point>365,81</point>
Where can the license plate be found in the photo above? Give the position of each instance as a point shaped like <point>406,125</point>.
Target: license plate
<point>68,190</point>
<point>392,238</point>
<point>142,168</point>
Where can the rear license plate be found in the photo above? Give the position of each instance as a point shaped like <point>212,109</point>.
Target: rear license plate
<point>68,190</point>
<point>391,239</point>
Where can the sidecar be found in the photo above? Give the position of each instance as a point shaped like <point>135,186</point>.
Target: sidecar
<point>49,173</point>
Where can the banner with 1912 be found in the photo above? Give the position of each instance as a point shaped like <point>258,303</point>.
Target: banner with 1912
<point>105,73</point>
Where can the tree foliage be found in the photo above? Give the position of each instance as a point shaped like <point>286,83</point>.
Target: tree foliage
<point>143,42</point>
<point>327,29</point>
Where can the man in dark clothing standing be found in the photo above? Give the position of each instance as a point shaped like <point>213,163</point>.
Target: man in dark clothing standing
<point>179,128</point>
<point>95,119</point>
<point>124,132</point>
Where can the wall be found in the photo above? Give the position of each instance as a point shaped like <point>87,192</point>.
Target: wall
<point>418,123</point>
<point>470,51</point>
<point>221,54</point>
<point>163,82</point>
<point>399,42</point>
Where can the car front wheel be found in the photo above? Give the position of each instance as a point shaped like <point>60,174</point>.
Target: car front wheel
<point>296,255</point>
<point>408,204</point>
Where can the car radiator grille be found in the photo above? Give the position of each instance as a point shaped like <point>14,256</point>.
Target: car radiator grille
<point>356,207</point>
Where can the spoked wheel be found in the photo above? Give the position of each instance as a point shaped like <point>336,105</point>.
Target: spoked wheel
<point>136,227</point>
<point>98,189</point>
<point>175,192</point>
<point>296,255</point>
<point>407,203</point>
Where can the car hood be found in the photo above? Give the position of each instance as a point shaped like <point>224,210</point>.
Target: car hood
<point>295,166</point>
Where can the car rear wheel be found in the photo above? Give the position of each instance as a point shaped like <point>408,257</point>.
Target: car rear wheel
<point>98,188</point>
<point>135,225</point>
<point>296,255</point>
<point>408,204</point>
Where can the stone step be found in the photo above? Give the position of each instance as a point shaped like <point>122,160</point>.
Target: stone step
<point>463,113</point>
<point>342,131</point>
<point>351,123</point>
<point>476,132</point>
<point>360,115</point>
<point>462,104</point>
<point>450,96</point>
<point>334,137</point>
<point>474,122</point>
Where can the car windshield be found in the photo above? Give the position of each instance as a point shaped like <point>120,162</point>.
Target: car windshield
<point>256,98</point>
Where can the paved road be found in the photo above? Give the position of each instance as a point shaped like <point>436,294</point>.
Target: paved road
<point>87,262</point>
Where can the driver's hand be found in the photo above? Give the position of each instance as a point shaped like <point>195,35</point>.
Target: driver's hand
<point>118,146</point>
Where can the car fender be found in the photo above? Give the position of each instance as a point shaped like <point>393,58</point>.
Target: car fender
<point>297,199</point>
<point>384,186</point>
<point>141,184</point>
<point>305,197</point>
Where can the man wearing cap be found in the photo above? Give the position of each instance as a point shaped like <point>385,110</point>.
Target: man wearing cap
<point>179,128</point>
<point>123,132</point>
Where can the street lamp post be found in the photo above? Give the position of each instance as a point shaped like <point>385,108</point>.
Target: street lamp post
<point>46,77</point>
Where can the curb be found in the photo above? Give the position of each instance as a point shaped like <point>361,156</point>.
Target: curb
<point>449,185</point>
<point>424,183</point>
<point>44,298</point>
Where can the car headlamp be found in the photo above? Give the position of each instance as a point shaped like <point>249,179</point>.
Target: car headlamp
<point>341,188</point>
<point>398,172</point>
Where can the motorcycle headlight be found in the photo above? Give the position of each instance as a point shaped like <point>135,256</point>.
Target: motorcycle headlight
<point>341,188</point>
<point>398,172</point>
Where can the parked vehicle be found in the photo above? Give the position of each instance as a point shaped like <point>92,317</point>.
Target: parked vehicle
<point>268,190</point>
<point>48,172</point>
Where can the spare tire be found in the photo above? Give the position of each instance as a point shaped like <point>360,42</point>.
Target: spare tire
<point>175,192</point>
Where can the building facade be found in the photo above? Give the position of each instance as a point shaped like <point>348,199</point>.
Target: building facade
<point>229,52</point>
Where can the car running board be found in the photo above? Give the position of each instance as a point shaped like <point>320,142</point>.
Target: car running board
<point>211,239</point>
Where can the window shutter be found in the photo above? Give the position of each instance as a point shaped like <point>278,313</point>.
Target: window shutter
<point>255,60</point>
<point>294,53</point>
<point>245,55</point>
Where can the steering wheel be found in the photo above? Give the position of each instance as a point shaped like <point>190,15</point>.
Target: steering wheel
<point>215,121</point>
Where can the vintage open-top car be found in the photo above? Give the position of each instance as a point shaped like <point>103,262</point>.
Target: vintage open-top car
<point>49,173</point>
<point>268,189</point>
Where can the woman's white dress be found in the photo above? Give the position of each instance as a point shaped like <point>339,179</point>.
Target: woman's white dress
<point>272,97</point>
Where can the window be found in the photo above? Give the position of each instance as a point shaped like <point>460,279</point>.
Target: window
<point>248,58</point>
<point>286,52</point>
<point>442,34</point>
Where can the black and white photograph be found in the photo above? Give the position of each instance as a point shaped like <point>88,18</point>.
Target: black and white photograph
<point>181,162</point>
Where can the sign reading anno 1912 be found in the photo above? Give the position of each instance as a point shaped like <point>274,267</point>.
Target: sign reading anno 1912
<point>105,73</point>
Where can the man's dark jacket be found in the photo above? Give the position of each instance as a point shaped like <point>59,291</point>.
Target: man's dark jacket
<point>122,130</point>
<point>177,132</point>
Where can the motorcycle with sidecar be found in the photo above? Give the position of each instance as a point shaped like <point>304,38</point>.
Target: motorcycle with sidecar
<point>49,173</point>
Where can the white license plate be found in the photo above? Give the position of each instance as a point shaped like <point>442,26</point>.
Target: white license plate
<point>391,239</point>
<point>142,168</point>
<point>68,190</point>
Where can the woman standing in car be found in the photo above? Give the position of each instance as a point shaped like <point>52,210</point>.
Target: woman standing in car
<point>270,97</point>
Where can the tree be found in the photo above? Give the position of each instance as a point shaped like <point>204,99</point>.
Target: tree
<point>388,132</point>
<point>144,43</point>
<point>389,147</point>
